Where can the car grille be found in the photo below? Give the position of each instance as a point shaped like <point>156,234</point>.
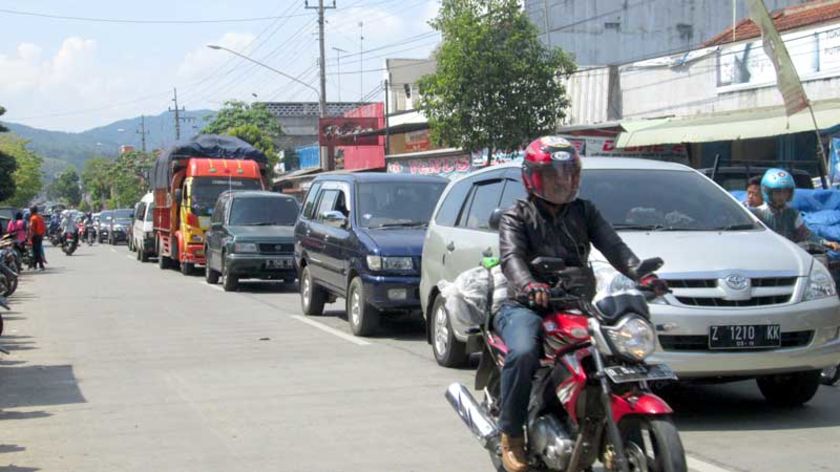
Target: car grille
<point>266,248</point>
<point>701,343</point>
<point>763,291</point>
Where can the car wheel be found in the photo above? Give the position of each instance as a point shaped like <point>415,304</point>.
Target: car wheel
<point>187,268</point>
<point>230,282</point>
<point>789,390</point>
<point>210,275</point>
<point>312,296</point>
<point>449,352</point>
<point>364,318</point>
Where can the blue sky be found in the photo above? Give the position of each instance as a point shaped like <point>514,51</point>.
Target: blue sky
<point>74,75</point>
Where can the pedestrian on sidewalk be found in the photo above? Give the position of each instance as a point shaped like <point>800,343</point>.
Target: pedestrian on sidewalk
<point>37,230</point>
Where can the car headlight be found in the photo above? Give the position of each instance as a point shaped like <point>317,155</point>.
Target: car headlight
<point>820,283</point>
<point>245,247</point>
<point>632,338</point>
<point>118,227</point>
<point>377,263</point>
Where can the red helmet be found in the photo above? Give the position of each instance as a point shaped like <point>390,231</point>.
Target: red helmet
<point>551,170</point>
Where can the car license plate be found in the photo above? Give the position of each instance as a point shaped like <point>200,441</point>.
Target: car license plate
<point>281,263</point>
<point>745,336</point>
<point>637,373</point>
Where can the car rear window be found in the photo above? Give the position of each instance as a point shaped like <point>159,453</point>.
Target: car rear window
<point>263,211</point>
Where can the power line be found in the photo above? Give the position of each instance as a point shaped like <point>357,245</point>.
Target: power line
<point>148,22</point>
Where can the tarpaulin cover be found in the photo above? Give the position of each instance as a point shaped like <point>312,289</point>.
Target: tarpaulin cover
<point>820,210</point>
<point>204,145</point>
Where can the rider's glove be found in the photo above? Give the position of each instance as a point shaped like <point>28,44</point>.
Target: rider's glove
<point>533,289</point>
<point>653,283</point>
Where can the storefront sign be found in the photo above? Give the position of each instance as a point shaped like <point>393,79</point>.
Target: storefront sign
<point>344,131</point>
<point>450,167</point>
<point>605,147</point>
<point>417,141</point>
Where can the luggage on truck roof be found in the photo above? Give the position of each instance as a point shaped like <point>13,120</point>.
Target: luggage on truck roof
<point>203,146</point>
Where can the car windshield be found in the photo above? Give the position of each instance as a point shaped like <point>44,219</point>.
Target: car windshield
<point>663,201</point>
<point>397,204</point>
<point>206,191</point>
<point>123,216</point>
<point>263,211</point>
<point>105,217</point>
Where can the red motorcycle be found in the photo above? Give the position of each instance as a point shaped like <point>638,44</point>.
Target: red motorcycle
<point>591,398</point>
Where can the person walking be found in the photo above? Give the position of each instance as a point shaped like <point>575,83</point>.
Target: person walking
<point>37,230</point>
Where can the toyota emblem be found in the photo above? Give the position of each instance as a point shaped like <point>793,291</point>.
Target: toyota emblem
<point>737,282</point>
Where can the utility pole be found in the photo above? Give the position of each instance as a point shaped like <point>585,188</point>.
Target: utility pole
<point>361,61</point>
<point>177,116</point>
<point>142,132</point>
<point>322,104</point>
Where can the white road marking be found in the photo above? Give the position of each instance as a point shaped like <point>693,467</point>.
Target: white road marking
<point>700,466</point>
<point>335,332</point>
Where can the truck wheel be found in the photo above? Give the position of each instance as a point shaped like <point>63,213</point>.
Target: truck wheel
<point>790,390</point>
<point>210,275</point>
<point>187,268</point>
<point>312,297</point>
<point>448,351</point>
<point>230,282</point>
<point>142,255</point>
<point>364,318</point>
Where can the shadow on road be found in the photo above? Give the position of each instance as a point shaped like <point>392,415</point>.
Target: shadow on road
<point>247,286</point>
<point>23,415</point>
<point>14,468</point>
<point>740,407</point>
<point>6,448</point>
<point>38,386</point>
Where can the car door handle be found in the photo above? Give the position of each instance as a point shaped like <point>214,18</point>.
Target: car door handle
<point>451,246</point>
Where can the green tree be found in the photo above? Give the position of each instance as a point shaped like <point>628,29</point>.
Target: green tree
<point>97,180</point>
<point>66,188</point>
<point>496,86</point>
<point>27,174</point>
<point>8,165</point>
<point>118,183</point>
<point>253,124</point>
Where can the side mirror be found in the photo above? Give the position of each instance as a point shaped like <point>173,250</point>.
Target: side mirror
<point>179,196</point>
<point>495,219</point>
<point>334,218</point>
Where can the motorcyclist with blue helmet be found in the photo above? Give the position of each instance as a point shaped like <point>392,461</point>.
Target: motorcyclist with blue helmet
<point>777,187</point>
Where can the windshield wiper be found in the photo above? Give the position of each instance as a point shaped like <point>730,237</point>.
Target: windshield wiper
<point>621,226</point>
<point>410,224</point>
<point>735,227</point>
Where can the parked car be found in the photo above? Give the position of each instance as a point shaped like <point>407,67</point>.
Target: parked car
<point>736,177</point>
<point>103,229</point>
<point>359,237</point>
<point>746,302</point>
<point>251,236</point>
<point>120,225</point>
<point>142,240</point>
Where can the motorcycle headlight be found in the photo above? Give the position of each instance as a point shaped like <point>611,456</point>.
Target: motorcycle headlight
<point>632,338</point>
<point>820,283</point>
<point>245,247</point>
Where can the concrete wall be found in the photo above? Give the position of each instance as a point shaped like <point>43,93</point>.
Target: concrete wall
<point>600,32</point>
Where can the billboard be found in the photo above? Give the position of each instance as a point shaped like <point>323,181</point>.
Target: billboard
<point>344,131</point>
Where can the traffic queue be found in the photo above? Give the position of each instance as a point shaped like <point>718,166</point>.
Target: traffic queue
<point>631,273</point>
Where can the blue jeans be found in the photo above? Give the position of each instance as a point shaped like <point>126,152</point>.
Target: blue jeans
<point>521,329</point>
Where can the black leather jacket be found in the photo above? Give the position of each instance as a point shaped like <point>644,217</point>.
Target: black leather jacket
<point>529,229</point>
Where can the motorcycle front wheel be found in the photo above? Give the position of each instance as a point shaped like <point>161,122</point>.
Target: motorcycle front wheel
<point>652,444</point>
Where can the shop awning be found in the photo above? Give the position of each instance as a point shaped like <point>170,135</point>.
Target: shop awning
<point>297,175</point>
<point>730,126</point>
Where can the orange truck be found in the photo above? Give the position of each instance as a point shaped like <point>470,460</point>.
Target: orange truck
<point>188,178</point>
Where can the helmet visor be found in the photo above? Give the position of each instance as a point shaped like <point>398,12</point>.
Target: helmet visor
<point>560,181</point>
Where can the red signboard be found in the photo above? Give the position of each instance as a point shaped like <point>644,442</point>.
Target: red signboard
<point>344,131</point>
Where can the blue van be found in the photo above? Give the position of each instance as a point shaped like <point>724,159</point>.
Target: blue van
<point>360,237</point>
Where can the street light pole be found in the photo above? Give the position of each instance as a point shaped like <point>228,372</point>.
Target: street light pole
<point>338,62</point>
<point>321,108</point>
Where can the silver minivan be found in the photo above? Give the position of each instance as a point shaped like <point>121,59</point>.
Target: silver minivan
<point>746,302</point>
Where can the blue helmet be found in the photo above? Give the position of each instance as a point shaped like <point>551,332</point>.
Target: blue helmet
<point>776,179</point>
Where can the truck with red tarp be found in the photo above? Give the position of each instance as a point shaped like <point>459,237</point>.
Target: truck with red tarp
<point>188,178</point>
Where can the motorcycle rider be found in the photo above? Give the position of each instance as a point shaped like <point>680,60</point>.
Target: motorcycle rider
<point>754,198</point>
<point>777,187</point>
<point>552,222</point>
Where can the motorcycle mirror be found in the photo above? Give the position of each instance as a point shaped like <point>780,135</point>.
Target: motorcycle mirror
<point>649,266</point>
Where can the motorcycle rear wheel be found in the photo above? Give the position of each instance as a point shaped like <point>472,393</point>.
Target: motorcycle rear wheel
<point>657,439</point>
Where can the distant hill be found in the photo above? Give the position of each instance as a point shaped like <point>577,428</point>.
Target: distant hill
<point>75,148</point>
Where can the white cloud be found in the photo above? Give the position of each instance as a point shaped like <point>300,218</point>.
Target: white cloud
<point>202,60</point>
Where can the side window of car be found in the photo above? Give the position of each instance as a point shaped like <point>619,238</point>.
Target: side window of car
<point>327,201</point>
<point>449,210</point>
<point>514,190</point>
<point>309,203</point>
<point>218,211</point>
<point>139,211</point>
<point>483,200</point>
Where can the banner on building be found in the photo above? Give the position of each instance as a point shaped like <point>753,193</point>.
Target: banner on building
<point>450,166</point>
<point>787,79</point>
<point>344,131</point>
<point>834,162</point>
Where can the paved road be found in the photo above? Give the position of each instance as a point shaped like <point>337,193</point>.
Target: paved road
<point>119,366</point>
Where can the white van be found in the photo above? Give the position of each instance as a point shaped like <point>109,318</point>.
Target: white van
<point>142,239</point>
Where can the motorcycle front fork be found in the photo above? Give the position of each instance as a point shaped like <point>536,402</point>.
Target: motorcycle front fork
<point>613,434</point>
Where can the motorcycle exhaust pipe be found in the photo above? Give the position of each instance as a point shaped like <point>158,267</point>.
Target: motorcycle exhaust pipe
<point>472,414</point>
